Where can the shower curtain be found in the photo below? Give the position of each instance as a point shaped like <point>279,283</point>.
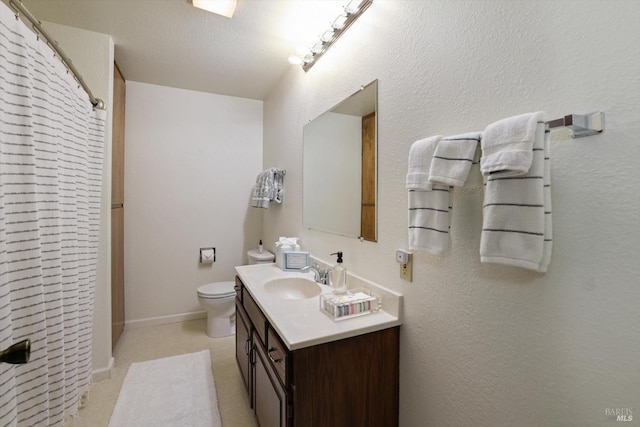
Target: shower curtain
<point>51,147</point>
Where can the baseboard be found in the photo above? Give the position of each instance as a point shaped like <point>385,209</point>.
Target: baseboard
<point>163,320</point>
<point>104,373</point>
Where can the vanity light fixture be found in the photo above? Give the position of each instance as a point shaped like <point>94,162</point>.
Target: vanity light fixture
<point>350,12</point>
<point>220,7</point>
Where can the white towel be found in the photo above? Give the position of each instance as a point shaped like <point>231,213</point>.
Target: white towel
<point>475,179</point>
<point>430,220</point>
<point>507,145</point>
<point>429,203</point>
<point>516,227</point>
<point>420,157</point>
<point>453,158</point>
<point>548,229</point>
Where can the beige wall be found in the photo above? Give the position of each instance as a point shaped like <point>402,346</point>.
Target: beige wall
<point>488,345</point>
<point>191,160</point>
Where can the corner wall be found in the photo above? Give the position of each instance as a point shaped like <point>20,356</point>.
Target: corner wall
<point>191,161</point>
<point>488,345</point>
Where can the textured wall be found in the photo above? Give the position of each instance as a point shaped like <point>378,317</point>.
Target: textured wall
<point>488,345</point>
<point>191,160</point>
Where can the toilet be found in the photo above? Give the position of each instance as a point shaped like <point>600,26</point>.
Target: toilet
<point>218,300</point>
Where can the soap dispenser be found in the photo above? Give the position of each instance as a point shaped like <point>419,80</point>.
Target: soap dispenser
<point>339,276</point>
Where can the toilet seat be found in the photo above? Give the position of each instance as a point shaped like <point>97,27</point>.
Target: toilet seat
<point>217,290</point>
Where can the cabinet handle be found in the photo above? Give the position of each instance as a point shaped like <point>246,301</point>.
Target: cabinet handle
<point>247,346</point>
<point>236,288</point>
<point>271,357</point>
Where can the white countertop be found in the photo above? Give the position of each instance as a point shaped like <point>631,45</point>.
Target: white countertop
<point>300,323</point>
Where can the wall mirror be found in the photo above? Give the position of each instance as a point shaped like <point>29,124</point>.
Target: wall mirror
<point>340,167</point>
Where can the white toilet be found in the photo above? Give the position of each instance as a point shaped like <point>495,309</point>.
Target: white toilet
<point>218,300</point>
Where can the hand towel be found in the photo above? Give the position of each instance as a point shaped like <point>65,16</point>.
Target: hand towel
<point>430,220</point>
<point>429,203</point>
<point>269,188</point>
<point>507,145</point>
<point>420,157</point>
<point>517,213</point>
<point>453,158</point>
<point>260,197</point>
<point>278,186</point>
<point>475,178</point>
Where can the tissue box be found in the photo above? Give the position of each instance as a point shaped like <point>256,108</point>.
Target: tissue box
<point>285,244</point>
<point>280,253</point>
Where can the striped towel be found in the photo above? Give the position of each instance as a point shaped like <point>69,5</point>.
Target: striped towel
<point>516,227</point>
<point>429,203</point>
<point>453,158</point>
<point>430,220</point>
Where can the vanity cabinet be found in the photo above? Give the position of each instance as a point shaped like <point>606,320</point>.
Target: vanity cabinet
<point>243,344</point>
<point>348,382</point>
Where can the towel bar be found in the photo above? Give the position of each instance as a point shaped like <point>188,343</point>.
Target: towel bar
<point>580,124</point>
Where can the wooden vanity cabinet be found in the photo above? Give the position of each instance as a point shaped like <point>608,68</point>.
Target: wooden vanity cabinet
<point>244,344</point>
<point>349,382</point>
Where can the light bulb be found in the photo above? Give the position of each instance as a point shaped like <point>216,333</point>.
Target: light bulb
<point>339,22</point>
<point>295,60</point>
<point>352,7</point>
<point>328,35</point>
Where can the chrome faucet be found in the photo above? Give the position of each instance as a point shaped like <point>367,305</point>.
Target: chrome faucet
<point>321,275</point>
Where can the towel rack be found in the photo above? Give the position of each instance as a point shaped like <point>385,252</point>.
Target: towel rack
<point>580,124</point>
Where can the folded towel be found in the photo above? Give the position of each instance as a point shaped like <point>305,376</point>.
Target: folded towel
<point>507,145</point>
<point>429,203</point>
<point>420,157</point>
<point>269,187</point>
<point>430,220</point>
<point>475,179</point>
<point>453,158</point>
<point>517,213</point>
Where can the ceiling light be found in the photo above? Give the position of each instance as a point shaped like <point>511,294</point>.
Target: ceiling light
<point>350,12</point>
<point>220,7</point>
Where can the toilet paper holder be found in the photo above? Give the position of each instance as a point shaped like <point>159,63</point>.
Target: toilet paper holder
<point>207,255</point>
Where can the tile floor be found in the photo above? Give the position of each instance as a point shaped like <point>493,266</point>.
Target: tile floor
<point>155,342</point>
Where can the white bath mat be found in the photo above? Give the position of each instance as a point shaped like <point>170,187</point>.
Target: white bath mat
<point>176,391</point>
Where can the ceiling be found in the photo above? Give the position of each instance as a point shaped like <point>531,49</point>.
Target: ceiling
<point>171,43</point>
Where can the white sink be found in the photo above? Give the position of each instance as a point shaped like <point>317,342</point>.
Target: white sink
<point>292,288</point>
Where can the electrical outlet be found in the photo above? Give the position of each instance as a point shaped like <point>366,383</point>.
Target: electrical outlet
<point>406,269</point>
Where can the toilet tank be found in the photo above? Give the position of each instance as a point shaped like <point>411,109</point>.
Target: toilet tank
<point>256,257</point>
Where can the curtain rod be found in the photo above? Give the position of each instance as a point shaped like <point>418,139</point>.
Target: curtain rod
<point>37,26</point>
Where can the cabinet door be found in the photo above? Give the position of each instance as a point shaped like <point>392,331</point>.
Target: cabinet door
<point>270,399</point>
<point>243,345</point>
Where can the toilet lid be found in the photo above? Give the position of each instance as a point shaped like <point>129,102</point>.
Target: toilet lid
<point>217,290</point>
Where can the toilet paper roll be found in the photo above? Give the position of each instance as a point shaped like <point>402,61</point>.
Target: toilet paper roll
<point>207,255</point>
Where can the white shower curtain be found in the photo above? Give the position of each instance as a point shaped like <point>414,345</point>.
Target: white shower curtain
<point>51,146</point>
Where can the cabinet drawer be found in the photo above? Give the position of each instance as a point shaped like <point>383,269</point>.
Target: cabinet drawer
<point>255,314</point>
<point>278,354</point>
